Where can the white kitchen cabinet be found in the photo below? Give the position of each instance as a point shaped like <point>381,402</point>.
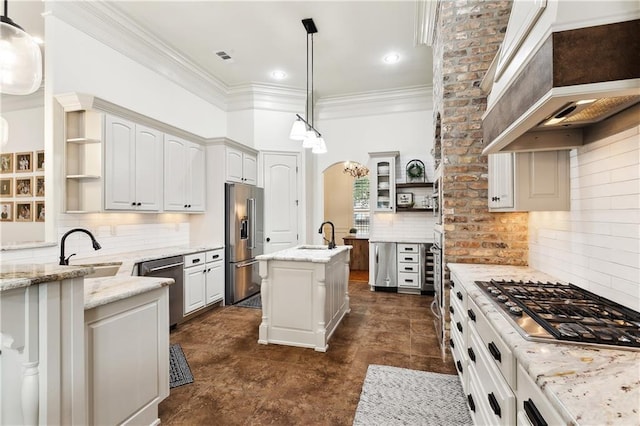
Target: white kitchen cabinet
<point>133,166</point>
<point>242,167</point>
<point>383,181</point>
<point>83,161</point>
<point>533,407</point>
<point>529,181</point>
<point>184,177</point>
<point>203,280</point>
<point>127,359</point>
<point>410,272</point>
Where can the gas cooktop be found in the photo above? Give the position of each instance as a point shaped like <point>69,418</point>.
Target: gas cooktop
<point>554,311</point>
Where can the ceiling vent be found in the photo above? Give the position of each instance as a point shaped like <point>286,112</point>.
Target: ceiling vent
<point>224,56</point>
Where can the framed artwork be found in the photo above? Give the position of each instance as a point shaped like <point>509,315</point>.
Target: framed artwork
<point>6,211</point>
<point>6,188</point>
<point>24,187</point>
<point>6,163</point>
<point>40,161</point>
<point>24,212</point>
<point>24,162</point>
<point>39,186</point>
<point>39,211</point>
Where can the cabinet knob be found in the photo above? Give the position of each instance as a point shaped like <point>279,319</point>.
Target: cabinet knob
<point>133,204</point>
<point>268,239</point>
<point>189,205</point>
<point>185,206</point>
<point>139,204</point>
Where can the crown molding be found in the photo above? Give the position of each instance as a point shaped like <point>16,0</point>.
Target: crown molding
<point>266,97</point>
<point>426,21</point>
<point>418,98</point>
<point>10,103</point>
<point>104,22</point>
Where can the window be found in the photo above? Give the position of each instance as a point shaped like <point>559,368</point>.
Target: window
<point>361,205</point>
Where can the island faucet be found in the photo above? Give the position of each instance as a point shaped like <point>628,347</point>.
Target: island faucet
<point>332,243</point>
<point>65,261</point>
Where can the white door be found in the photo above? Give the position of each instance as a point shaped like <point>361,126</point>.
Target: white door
<point>194,288</point>
<point>501,180</point>
<point>250,169</point>
<point>149,169</point>
<point>197,179</point>
<point>215,282</point>
<point>119,184</point>
<point>281,201</point>
<point>234,165</point>
<point>175,173</point>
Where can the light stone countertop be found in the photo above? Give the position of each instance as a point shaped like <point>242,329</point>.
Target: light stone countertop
<point>419,240</point>
<point>305,253</point>
<point>103,290</point>
<point>587,385</point>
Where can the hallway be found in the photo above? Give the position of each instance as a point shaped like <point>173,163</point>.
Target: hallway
<point>238,381</point>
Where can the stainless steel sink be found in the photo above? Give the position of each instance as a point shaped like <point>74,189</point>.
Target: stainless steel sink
<point>102,270</point>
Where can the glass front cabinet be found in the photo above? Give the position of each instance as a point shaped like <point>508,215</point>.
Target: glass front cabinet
<point>383,181</point>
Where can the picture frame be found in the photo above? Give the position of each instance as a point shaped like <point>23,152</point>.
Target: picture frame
<point>24,211</point>
<point>39,190</point>
<point>24,162</point>
<point>39,211</point>
<point>40,161</point>
<point>6,187</point>
<point>6,162</point>
<point>24,187</point>
<point>6,211</point>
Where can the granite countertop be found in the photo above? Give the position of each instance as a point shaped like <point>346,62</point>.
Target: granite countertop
<point>418,240</point>
<point>586,384</point>
<point>305,253</point>
<point>97,291</point>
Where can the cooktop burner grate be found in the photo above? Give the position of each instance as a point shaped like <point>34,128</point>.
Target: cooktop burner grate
<point>567,312</point>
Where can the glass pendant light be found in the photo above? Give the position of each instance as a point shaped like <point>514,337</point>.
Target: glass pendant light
<point>320,147</point>
<point>20,59</point>
<point>298,130</point>
<point>310,139</point>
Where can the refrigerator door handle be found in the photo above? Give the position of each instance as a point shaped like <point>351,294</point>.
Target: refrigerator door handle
<point>251,212</point>
<point>245,264</point>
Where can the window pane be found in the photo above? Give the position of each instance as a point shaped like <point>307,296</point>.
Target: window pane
<point>361,205</point>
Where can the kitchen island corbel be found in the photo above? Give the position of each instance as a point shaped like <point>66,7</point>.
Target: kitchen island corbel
<point>305,295</point>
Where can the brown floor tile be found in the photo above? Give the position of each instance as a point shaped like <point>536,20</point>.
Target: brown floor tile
<point>239,382</point>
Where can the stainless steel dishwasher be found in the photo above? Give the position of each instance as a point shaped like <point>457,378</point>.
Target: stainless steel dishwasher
<point>169,267</point>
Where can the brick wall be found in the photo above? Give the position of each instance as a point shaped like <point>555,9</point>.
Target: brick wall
<point>468,36</point>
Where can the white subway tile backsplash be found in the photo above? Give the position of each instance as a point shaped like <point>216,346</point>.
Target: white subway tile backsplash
<point>596,245</point>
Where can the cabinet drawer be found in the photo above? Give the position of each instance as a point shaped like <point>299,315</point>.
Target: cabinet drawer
<point>474,399</point>
<point>408,248</point>
<point>408,257</point>
<point>411,268</point>
<point>499,352</point>
<point>458,319</point>
<point>214,255</point>
<point>194,259</point>
<point>533,407</point>
<point>459,359</point>
<point>497,397</point>
<point>406,279</point>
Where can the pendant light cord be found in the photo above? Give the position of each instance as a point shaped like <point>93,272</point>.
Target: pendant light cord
<point>312,104</point>
<point>6,7</point>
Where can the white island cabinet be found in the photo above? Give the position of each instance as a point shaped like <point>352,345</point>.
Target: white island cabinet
<point>305,295</point>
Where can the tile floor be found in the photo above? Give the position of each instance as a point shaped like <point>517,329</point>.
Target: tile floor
<point>240,382</point>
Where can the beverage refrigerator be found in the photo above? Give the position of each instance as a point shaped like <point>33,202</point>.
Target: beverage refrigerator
<point>244,232</point>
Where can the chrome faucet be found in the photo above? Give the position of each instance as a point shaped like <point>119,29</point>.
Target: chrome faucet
<point>64,261</point>
<point>332,243</point>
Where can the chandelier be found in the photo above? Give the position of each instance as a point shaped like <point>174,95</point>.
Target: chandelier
<point>356,170</point>
<point>302,128</point>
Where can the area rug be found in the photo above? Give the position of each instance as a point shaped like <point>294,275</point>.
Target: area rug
<point>398,396</point>
<point>179,371</point>
<point>254,301</point>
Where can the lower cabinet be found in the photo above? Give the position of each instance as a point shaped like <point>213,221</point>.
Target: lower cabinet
<point>127,347</point>
<point>203,280</point>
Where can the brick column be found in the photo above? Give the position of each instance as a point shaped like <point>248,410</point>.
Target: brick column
<point>469,33</point>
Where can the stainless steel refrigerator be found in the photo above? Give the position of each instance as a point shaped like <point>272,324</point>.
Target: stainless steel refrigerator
<point>244,232</point>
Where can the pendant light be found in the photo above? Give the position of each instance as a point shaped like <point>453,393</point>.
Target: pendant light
<point>303,129</point>
<point>20,59</point>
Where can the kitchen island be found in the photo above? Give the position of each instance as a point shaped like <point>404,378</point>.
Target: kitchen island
<point>305,295</point>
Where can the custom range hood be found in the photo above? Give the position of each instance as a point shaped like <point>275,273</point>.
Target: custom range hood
<point>563,67</point>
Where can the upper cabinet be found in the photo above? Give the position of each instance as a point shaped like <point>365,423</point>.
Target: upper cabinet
<point>529,181</point>
<point>133,166</point>
<point>383,181</point>
<point>184,175</point>
<point>242,166</point>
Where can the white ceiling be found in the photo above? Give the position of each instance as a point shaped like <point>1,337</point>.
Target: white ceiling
<point>263,36</point>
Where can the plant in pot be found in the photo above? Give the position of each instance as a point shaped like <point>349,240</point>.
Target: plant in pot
<point>353,231</point>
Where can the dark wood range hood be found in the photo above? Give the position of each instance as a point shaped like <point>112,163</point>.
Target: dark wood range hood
<point>576,78</point>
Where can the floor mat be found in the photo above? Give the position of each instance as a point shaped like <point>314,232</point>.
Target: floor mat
<point>254,301</point>
<point>179,371</point>
<point>398,396</point>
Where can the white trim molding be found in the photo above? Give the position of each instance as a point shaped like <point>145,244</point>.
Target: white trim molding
<point>266,97</point>
<point>426,21</point>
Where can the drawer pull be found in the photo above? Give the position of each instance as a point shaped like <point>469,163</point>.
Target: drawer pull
<point>493,402</point>
<point>472,405</point>
<point>407,268</point>
<point>472,355</point>
<point>459,366</point>
<point>408,258</point>
<point>451,310</point>
<point>472,315</point>
<point>459,327</point>
<point>408,281</point>
<point>533,414</point>
<point>195,260</point>
<point>495,352</point>
<point>459,295</point>
<point>453,284</point>
<point>451,343</point>
<point>215,256</point>
<point>408,249</point>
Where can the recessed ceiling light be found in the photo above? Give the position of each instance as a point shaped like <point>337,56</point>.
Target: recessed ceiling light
<point>278,75</point>
<point>392,58</point>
